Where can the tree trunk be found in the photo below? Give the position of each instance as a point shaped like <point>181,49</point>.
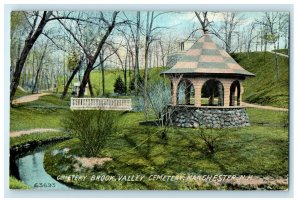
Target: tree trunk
<point>276,63</point>
<point>103,80</point>
<point>30,40</point>
<point>91,87</point>
<point>92,59</point>
<point>40,66</point>
<point>136,67</point>
<point>71,79</point>
<point>34,88</point>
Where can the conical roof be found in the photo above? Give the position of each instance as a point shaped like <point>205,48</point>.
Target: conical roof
<point>206,57</point>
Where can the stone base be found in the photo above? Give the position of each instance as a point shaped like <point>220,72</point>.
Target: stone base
<point>209,117</point>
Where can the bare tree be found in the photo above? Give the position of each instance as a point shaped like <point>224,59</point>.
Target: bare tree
<point>74,70</point>
<point>37,21</point>
<point>271,23</point>
<point>40,63</point>
<point>149,38</point>
<point>92,52</point>
<point>203,19</point>
<point>226,30</point>
<point>251,36</point>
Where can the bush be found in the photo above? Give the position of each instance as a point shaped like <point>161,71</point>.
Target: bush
<point>119,86</point>
<point>140,83</point>
<point>92,128</point>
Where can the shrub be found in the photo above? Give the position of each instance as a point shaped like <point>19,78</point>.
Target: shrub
<point>119,86</point>
<point>92,128</point>
<point>140,83</point>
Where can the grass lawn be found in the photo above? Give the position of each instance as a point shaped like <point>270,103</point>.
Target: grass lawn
<point>20,93</point>
<point>47,112</point>
<point>140,150</point>
<point>264,89</point>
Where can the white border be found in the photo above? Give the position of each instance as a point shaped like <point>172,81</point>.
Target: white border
<point>4,77</point>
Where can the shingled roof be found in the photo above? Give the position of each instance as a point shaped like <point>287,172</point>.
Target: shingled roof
<point>206,57</point>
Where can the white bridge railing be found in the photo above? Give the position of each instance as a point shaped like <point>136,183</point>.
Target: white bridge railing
<point>101,103</point>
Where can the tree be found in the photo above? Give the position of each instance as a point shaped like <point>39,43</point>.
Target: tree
<point>35,31</point>
<point>74,64</point>
<point>37,21</point>
<point>119,86</point>
<point>251,36</point>
<point>203,19</point>
<point>149,38</point>
<point>137,42</point>
<point>40,63</point>
<point>226,30</point>
<point>92,52</point>
<point>271,23</point>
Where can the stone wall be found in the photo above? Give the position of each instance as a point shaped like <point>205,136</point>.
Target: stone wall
<point>214,117</point>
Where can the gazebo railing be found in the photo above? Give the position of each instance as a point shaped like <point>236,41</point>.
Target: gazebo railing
<point>101,103</point>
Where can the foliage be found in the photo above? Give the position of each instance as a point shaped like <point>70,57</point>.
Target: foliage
<point>17,19</point>
<point>140,82</point>
<point>92,128</point>
<point>16,184</point>
<point>119,86</point>
<point>73,60</point>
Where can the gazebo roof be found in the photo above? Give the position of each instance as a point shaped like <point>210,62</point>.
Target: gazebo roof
<point>206,57</point>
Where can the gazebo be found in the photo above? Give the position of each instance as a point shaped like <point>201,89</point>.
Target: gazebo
<point>206,84</point>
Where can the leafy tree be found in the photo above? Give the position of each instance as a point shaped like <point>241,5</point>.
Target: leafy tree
<point>119,86</point>
<point>140,83</point>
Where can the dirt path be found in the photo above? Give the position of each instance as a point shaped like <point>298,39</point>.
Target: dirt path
<point>31,131</point>
<point>280,54</point>
<point>264,107</point>
<point>29,98</point>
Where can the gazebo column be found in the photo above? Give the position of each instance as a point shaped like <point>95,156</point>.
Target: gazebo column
<point>175,82</point>
<point>241,93</point>
<point>197,86</point>
<point>226,84</point>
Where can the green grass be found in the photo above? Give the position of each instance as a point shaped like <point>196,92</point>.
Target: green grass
<point>35,137</point>
<point>137,149</point>
<point>47,112</point>
<point>16,184</point>
<point>267,116</point>
<point>263,88</point>
<point>20,93</point>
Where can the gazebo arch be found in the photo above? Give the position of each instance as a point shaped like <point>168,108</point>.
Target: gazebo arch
<point>212,89</point>
<point>207,71</point>
<point>185,92</point>
<point>235,89</point>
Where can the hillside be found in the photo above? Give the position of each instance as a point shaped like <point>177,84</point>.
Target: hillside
<point>263,89</point>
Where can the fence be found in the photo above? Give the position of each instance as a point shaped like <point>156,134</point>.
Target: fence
<point>101,103</point>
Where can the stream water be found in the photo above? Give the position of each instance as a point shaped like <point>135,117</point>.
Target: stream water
<point>32,172</point>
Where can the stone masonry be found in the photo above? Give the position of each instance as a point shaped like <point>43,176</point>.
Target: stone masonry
<point>193,117</point>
